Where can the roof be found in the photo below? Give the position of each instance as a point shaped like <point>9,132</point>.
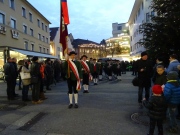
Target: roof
<point>77,42</point>
<point>53,32</point>
<point>36,10</point>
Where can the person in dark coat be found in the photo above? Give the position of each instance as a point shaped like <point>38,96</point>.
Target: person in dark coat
<point>48,73</point>
<point>145,71</point>
<point>14,62</point>
<point>160,77</point>
<point>35,71</point>
<point>10,76</point>
<point>157,109</point>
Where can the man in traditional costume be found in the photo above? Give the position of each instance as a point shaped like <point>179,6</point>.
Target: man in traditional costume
<point>73,72</point>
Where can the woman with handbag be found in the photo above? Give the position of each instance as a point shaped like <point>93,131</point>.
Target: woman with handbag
<point>26,80</point>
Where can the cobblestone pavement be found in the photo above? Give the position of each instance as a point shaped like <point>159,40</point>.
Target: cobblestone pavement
<point>109,109</point>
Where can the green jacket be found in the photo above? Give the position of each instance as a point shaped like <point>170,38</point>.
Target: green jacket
<point>92,68</point>
<point>72,75</point>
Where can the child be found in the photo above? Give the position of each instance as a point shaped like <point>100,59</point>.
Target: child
<point>160,77</point>
<point>157,109</point>
<point>172,96</point>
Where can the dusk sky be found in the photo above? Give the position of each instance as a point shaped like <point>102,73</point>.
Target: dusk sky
<point>89,19</point>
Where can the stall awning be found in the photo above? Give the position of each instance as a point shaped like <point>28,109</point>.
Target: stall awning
<point>29,53</point>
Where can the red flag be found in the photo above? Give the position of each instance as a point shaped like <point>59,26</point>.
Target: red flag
<point>63,27</point>
<point>65,11</point>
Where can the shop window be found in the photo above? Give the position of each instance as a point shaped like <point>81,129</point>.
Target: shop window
<point>26,45</point>
<point>31,32</point>
<point>23,12</point>
<point>30,17</point>
<point>12,4</point>
<point>13,23</point>
<point>2,18</point>
<point>25,29</point>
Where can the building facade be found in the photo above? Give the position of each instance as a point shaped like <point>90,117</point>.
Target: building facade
<point>141,13</point>
<point>86,47</point>
<point>118,29</point>
<point>24,31</point>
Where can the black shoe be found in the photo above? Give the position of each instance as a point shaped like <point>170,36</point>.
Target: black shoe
<point>70,106</point>
<point>84,91</point>
<point>76,106</point>
<point>87,91</point>
<point>26,100</point>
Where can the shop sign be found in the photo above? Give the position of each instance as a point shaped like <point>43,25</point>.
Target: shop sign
<point>2,29</point>
<point>15,34</point>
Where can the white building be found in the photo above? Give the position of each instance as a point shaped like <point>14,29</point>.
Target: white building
<point>141,13</point>
<point>55,47</point>
<point>118,29</point>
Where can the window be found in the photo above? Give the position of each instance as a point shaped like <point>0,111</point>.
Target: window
<point>39,36</point>
<point>26,45</point>
<point>43,39</point>
<point>42,26</point>
<point>44,50</point>
<point>31,32</point>
<point>30,17</point>
<point>11,4</point>
<point>47,50</point>
<point>38,21</point>
<point>46,40</point>
<point>13,23</point>
<point>2,18</point>
<point>40,49</point>
<point>147,17</point>
<point>139,11</point>
<point>152,14</point>
<point>25,29</point>
<point>119,28</point>
<point>45,28</point>
<point>23,12</point>
<point>32,47</point>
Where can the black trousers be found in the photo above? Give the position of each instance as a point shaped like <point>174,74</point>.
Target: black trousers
<point>86,79</point>
<point>36,91</point>
<point>118,72</point>
<point>95,75</point>
<point>153,123</point>
<point>48,82</point>
<point>14,86</point>
<point>140,94</point>
<point>10,86</point>
<point>178,109</point>
<point>72,86</point>
<point>109,72</point>
<point>42,85</point>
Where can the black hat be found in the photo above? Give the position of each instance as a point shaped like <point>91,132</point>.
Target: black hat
<point>84,56</point>
<point>160,58</point>
<point>72,52</point>
<point>35,58</point>
<point>143,54</point>
<point>48,59</point>
<point>172,75</point>
<point>94,59</point>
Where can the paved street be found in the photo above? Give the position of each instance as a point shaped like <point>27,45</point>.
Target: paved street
<point>107,110</point>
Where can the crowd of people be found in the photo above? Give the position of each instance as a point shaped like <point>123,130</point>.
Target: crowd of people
<point>163,99</point>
